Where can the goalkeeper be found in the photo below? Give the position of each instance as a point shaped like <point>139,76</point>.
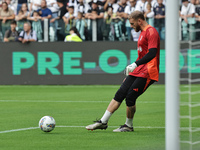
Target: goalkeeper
<point>140,74</point>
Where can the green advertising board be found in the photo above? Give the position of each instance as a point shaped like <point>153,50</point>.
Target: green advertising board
<point>79,63</point>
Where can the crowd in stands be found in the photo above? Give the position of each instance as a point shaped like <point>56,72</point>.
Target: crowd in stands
<point>190,19</point>
<point>23,20</point>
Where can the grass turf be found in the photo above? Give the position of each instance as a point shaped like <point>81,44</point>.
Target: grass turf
<point>74,107</point>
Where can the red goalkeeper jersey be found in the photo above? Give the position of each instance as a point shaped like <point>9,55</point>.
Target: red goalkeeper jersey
<point>149,38</point>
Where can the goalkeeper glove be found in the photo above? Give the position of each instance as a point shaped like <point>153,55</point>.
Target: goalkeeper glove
<point>130,68</point>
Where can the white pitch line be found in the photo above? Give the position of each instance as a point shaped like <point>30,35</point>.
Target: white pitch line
<point>60,86</point>
<point>70,86</point>
<point>62,126</point>
<point>45,101</point>
<point>22,129</point>
<point>83,86</point>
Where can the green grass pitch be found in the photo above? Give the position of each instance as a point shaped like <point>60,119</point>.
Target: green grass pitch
<point>74,107</point>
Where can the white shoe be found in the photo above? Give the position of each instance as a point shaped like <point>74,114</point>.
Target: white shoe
<point>97,125</point>
<point>124,128</point>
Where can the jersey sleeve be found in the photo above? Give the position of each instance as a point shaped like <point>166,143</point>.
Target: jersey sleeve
<point>153,38</point>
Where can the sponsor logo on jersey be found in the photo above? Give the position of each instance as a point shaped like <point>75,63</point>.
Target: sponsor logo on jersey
<point>141,37</point>
<point>139,49</point>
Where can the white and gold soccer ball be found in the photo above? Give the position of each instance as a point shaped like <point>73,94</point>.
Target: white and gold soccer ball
<point>47,123</point>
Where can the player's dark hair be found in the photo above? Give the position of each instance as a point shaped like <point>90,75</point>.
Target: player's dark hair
<point>136,15</point>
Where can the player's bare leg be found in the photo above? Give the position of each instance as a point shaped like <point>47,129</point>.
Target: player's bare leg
<point>128,126</point>
<point>130,111</point>
<point>113,106</point>
<point>103,122</point>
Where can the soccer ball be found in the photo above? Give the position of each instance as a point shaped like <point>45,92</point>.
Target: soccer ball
<point>47,123</point>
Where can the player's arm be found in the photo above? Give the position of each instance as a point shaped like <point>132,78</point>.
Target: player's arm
<point>152,38</point>
<point>148,57</point>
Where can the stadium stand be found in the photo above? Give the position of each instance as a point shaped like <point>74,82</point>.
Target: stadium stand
<point>106,19</point>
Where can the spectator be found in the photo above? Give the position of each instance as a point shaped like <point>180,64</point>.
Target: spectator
<point>61,25</point>
<point>68,18</point>
<point>121,13</point>
<point>102,3</point>
<point>149,14</point>
<point>81,26</point>
<point>153,4</point>
<point>6,15</point>
<point>19,4</point>
<point>116,28</point>
<point>197,16</point>
<point>82,7</point>
<point>193,2</point>
<point>74,36</point>
<point>188,20</point>
<point>12,34</point>
<point>131,8</point>
<point>36,24</point>
<point>187,11</point>
<point>159,19</point>
<point>53,6</point>
<point>113,4</point>
<point>44,12</point>
<point>72,3</point>
<point>22,17</point>
<point>128,10</point>
<point>140,5</point>
<point>27,35</point>
<point>108,16</point>
<point>62,9</point>
<point>96,13</point>
<point>11,6</point>
<point>121,9</point>
<point>35,5</point>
